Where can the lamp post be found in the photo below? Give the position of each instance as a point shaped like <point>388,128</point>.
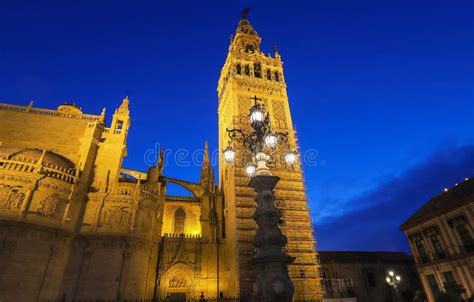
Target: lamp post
<point>271,262</point>
<point>393,280</point>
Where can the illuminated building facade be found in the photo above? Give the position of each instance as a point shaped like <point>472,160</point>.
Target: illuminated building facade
<point>76,224</point>
<point>441,237</point>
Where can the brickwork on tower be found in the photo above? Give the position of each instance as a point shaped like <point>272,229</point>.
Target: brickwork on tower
<point>248,72</point>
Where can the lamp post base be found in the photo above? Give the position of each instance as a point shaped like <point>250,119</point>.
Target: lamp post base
<point>272,283</point>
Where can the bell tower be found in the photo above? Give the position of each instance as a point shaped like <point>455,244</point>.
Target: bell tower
<point>248,72</point>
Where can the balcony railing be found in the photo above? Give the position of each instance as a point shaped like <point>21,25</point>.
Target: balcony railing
<point>31,166</point>
<point>131,189</point>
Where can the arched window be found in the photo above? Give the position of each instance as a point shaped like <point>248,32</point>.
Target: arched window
<point>269,74</point>
<point>257,70</point>
<point>238,69</point>
<point>179,220</point>
<point>276,76</point>
<point>247,70</point>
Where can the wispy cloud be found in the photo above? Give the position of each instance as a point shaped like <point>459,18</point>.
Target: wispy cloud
<point>371,221</point>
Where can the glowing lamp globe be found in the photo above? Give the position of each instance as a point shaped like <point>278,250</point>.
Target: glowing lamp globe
<point>250,169</point>
<point>290,158</point>
<point>229,155</point>
<point>390,273</point>
<point>256,116</point>
<point>398,278</point>
<point>271,140</point>
<point>387,279</point>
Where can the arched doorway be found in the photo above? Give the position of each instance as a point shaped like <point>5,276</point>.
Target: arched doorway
<point>178,285</point>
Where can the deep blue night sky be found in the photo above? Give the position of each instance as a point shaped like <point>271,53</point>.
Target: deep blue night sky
<point>383,90</point>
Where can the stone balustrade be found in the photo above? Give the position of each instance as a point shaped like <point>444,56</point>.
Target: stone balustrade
<point>130,189</point>
<point>30,165</point>
<point>181,235</point>
<point>48,112</point>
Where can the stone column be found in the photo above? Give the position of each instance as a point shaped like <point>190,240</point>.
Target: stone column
<point>453,246</point>
<point>272,283</point>
<point>26,202</point>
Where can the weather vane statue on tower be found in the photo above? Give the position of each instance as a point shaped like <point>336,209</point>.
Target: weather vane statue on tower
<point>245,12</point>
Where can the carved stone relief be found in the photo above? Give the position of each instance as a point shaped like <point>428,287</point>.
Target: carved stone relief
<point>49,207</point>
<point>117,216</point>
<point>11,198</point>
<point>146,221</point>
<point>178,281</point>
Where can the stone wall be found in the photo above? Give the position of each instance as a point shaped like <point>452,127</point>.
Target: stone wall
<point>42,129</point>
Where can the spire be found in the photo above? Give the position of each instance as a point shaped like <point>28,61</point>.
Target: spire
<point>102,116</point>
<point>277,54</point>
<point>246,38</point>
<point>121,118</point>
<point>207,173</point>
<point>40,161</point>
<point>155,171</point>
<point>245,27</point>
<point>138,182</point>
<point>123,109</point>
<point>205,160</point>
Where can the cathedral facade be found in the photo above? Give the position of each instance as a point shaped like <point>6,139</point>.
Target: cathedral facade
<point>76,224</point>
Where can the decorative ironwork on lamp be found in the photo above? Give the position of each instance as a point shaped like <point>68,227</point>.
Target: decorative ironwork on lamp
<point>260,143</point>
<point>394,281</point>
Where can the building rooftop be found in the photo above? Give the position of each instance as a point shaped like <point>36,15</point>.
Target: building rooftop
<point>356,256</point>
<point>449,200</point>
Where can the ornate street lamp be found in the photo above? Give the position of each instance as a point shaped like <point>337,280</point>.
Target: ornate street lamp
<point>393,280</point>
<point>271,262</point>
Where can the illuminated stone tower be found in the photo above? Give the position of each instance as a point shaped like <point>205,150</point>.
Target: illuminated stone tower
<point>248,72</point>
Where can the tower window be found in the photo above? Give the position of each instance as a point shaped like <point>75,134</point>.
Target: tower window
<point>249,48</point>
<point>277,78</point>
<point>257,70</point>
<point>118,127</point>
<point>238,69</point>
<point>247,70</point>
<point>269,74</point>
<point>179,220</point>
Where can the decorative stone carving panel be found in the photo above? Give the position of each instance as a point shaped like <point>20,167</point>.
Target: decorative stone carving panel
<point>145,220</point>
<point>11,198</point>
<point>244,105</point>
<point>279,117</point>
<point>52,206</point>
<point>178,281</point>
<point>116,216</point>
